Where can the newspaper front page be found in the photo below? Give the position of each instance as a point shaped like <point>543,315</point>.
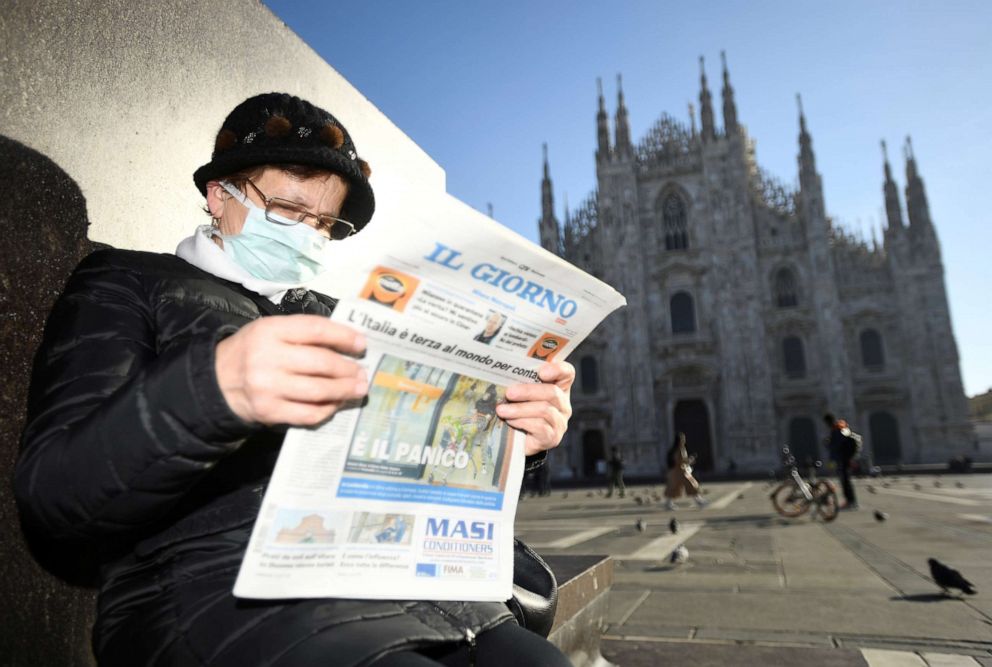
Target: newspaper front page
<point>412,493</point>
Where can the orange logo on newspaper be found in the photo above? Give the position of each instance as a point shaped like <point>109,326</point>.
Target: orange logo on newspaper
<point>546,347</point>
<point>389,287</point>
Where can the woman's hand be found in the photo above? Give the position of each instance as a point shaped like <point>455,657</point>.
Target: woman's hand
<point>542,409</point>
<point>293,369</point>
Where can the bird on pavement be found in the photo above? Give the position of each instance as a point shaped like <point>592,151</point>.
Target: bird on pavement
<point>638,500</point>
<point>886,484</point>
<point>641,525</point>
<point>679,555</point>
<point>960,485</point>
<point>937,484</point>
<point>871,489</point>
<point>947,577</point>
<point>917,487</point>
<point>740,496</point>
<point>673,525</point>
<point>880,516</point>
<point>564,495</point>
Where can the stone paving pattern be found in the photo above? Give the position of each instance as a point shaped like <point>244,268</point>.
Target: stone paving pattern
<point>759,582</point>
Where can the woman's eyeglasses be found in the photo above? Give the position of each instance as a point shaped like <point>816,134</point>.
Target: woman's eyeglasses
<point>285,212</point>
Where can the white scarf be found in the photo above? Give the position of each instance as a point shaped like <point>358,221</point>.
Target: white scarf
<point>201,251</point>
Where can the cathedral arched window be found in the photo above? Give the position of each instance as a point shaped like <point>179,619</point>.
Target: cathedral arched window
<point>786,289</point>
<point>676,223</point>
<point>589,375</point>
<point>872,354</point>
<point>794,357</point>
<point>683,313</point>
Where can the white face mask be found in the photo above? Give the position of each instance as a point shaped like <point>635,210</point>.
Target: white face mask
<point>276,249</point>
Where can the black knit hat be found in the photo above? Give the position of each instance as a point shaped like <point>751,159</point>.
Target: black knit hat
<point>277,128</point>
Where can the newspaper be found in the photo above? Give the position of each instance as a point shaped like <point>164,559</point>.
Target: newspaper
<point>412,493</point>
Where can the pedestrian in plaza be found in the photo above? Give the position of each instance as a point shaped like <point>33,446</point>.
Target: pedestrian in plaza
<point>159,400</point>
<point>614,472</point>
<point>679,476</point>
<point>842,444</point>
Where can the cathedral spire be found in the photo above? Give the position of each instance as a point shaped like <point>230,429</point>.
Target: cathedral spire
<point>569,237</point>
<point>729,108</point>
<point>810,185</point>
<point>623,145</point>
<point>602,126</point>
<point>917,208</point>
<point>807,161</point>
<point>705,105</point>
<point>692,119</point>
<point>548,226</point>
<point>893,211</point>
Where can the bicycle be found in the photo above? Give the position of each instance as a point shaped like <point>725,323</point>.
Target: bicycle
<point>796,494</point>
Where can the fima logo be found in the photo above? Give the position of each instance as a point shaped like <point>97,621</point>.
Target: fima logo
<point>475,530</point>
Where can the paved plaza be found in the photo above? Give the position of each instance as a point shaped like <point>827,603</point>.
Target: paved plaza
<point>759,589</point>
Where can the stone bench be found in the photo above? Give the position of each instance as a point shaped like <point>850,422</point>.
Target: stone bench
<point>583,585</point>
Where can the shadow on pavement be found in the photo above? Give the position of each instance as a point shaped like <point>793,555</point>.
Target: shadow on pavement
<point>922,597</point>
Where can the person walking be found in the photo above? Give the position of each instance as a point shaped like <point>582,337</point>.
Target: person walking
<point>679,476</point>
<point>614,471</point>
<point>843,448</point>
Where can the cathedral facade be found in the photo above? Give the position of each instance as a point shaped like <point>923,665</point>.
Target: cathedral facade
<point>750,314</point>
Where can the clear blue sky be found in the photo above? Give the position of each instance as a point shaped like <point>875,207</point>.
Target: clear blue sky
<point>480,85</point>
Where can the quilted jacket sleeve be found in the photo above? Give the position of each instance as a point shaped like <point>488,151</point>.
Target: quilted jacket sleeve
<point>116,430</point>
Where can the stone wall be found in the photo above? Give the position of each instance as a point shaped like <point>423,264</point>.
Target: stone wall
<point>106,109</point>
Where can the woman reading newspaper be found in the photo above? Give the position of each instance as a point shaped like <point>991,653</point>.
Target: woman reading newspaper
<point>160,396</point>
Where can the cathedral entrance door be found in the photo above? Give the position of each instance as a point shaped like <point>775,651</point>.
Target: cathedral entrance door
<point>592,453</point>
<point>802,440</point>
<point>692,418</point>
<point>885,446</point>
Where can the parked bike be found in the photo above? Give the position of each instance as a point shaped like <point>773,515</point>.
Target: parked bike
<point>797,494</point>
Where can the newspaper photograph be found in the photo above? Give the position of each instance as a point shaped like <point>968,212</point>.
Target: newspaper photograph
<point>411,494</point>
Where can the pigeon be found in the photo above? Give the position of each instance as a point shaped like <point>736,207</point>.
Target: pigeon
<point>640,525</point>
<point>917,487</point>
<point>679,555</point>
<point>886,485</point>
<point>871,489</point>
<point>638,500</point>
<point>960,485</point>
<point>948,577</point>
<point>673,525</point>
<point>937,484</point>
<point>589,494</point>
<point>880,516</point>
<point>740,496</point>
<point>564,495</point>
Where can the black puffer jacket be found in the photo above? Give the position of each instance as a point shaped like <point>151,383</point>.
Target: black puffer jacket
<point>131,448</point>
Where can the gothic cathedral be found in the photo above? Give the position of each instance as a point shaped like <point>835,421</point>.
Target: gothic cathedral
<point>750,314</point>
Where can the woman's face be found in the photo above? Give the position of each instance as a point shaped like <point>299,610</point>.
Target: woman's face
<point>320,195</point>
